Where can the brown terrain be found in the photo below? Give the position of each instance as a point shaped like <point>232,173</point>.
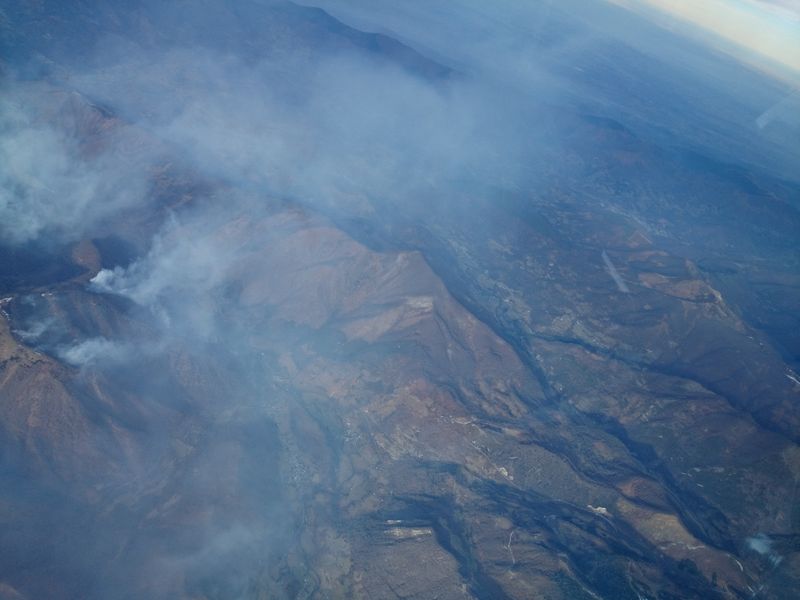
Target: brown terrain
<point>572,406</point>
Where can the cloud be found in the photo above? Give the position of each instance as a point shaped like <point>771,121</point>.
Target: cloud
<point>595,57</point>
<point>180,281</point>
<point>762,544</point>
<point>343,132</point>
<point>357,135</point>
<point>50,186</point>
<point>34,331</point>
<point>93,351</point>
<point>348,134</point>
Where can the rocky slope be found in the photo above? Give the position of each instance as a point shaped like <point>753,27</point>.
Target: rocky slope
<point>584,390</point>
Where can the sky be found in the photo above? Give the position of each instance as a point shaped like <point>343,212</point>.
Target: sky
<point>758,29</point>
